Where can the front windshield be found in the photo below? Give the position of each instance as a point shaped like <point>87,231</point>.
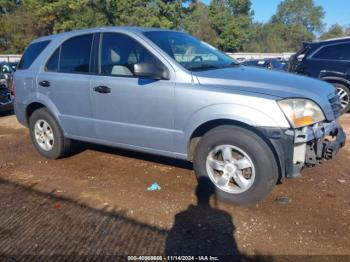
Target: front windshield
<point>188,51</point>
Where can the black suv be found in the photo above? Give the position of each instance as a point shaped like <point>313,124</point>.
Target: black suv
<point>328,60</point>
<point>269,63</point>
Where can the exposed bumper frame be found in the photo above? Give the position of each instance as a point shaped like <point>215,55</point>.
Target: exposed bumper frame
<point>298,148</point>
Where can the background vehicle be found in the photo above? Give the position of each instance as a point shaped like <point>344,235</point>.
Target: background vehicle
<point>328,60</point>
<point>275,64</point>
<point>7,68</point>
<point>167,93</point>
<point>6,98</point>
<point>13,65</point>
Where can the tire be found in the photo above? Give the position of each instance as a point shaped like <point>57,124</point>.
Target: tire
<point>344,96</point>
<point>60,146</point>
<point>252,148</point>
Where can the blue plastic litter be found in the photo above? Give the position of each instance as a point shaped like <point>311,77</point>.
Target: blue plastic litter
<point>154,187</point>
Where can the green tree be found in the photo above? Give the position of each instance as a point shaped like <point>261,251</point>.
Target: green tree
<point>232,21</point>
<point>240,7</point>
<point>18,28</point>
<point>196,22</point>
<point>24,20</point>
<point>334,31</point>
<point>7,6</point>
<point>300,12</point>
<point>295,21</point>
<point>64,15</point>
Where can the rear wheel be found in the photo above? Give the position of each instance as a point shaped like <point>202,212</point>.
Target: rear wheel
<point>344,97</point>
<point>47,136</point>
<point>238,163</point>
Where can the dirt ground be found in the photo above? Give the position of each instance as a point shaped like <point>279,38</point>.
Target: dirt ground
<point>96,202</point>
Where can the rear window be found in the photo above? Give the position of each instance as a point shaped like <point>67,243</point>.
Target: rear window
<point>31,53</point>
<point>334,52</point>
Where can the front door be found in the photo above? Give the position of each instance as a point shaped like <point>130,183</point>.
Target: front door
<point>128,110</point>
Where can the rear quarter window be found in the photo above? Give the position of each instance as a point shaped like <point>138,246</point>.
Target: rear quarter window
<point>31,53</point>
<point>334,52</point>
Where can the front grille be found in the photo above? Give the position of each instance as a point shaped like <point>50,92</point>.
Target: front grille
<point>335,104</point>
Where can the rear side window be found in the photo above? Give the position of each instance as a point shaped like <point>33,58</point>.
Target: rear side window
<point>75,55</point>
<point>334,52</point>
<point>31,53</point>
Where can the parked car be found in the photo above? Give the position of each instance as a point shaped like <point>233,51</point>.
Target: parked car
<point>275,64</point>
<point>13,65</point>
<point>6,98</point>
<point>7,68</point>
<point>328,60</point>
<point>167,93</point>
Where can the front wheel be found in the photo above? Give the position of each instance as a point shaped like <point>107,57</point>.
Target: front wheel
<point>344,97</point>
<point>238,163</point>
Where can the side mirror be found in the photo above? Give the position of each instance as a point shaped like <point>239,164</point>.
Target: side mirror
<point>300,57</point>
<point>150,70</point>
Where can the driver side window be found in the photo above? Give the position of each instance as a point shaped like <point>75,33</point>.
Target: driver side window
<point>119,54</point>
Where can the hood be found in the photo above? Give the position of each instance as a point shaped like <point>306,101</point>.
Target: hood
<point>269,82</point>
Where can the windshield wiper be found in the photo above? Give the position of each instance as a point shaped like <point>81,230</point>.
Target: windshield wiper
<point>212,66</point>
<point>203,67</point>
<point>233,64</point>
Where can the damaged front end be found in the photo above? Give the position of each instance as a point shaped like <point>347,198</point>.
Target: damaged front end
<point>296,149</point>
<point>314,144</point>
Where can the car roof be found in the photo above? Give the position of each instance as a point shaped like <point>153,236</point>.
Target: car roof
<point>329,41</point>
<point>133,29</point>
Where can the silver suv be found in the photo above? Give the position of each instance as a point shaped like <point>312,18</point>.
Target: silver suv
<point>167,93</point>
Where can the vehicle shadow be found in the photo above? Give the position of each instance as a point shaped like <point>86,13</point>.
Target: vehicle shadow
<point>35,223</point>
<point>80,147</point>
<point>202,229</point>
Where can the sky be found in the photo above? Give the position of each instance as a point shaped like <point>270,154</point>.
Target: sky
<point>336,11</point>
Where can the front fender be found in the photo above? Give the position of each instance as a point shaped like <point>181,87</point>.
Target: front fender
<point>241,113</point>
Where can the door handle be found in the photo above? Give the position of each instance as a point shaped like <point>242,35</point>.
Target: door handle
<point>102,89</point>
<point>44,83</point>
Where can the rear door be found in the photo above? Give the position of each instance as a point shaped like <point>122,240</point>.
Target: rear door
<point>65,80</point>
<point>24,78</point>
<point>332,58</point>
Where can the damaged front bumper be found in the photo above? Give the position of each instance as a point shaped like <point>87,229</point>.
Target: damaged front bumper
<point>316,143</point>
<point>305,147</point>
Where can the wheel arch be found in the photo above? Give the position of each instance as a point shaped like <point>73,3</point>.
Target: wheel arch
<point>42,103</point>
<point>335,80</point>
<point>201,130</point>
<point>33,107</point>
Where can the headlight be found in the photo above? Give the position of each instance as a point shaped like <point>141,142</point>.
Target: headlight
<point>301,112</point>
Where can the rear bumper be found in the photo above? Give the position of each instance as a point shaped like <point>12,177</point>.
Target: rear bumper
<point>296,149</point>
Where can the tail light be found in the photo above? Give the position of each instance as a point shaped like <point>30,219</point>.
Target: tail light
<point>12,88</point>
